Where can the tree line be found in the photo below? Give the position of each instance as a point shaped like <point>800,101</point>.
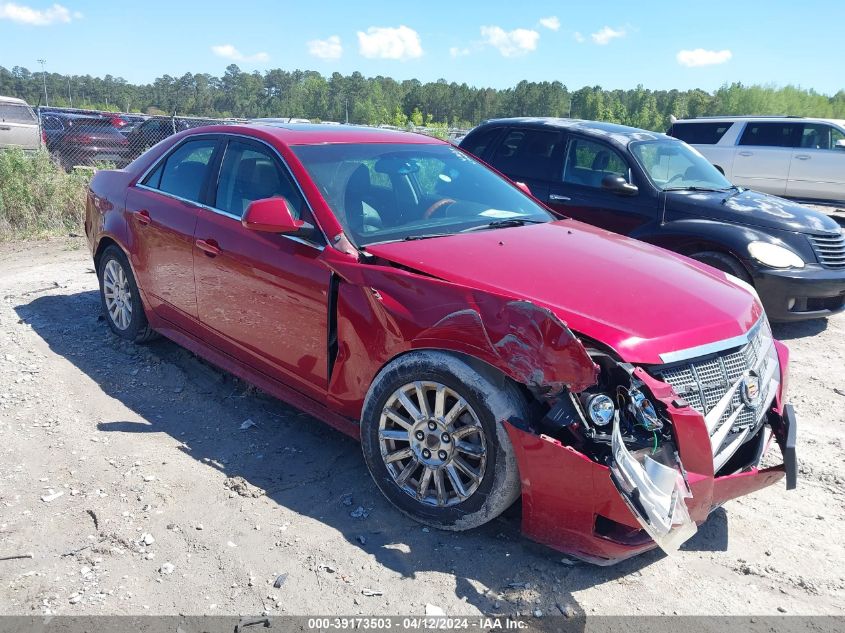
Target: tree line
<point>382,100</point>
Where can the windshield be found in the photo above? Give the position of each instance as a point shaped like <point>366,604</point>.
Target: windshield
<point>675,165</point>
<point>383,192</point>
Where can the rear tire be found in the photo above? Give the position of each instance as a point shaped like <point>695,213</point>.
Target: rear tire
<point>453,467</point>
<point>120,299</point>
<point>724,262</point>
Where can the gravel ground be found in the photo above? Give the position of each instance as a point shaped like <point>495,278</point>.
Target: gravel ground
<point>130,485</point>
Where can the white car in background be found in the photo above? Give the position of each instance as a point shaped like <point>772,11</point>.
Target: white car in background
<point>18,125</point>
<point>795,157</point>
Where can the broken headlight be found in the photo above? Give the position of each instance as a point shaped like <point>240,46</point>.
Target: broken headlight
<point>585,420</point>
<point>643,411</point>
<point>600,409</point>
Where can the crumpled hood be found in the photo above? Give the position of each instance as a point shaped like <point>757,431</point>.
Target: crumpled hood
<point>751,208</point>
<point>636,298</point>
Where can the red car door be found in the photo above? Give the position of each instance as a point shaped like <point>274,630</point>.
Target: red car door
<point>262,297</point>
<point>162,210</point>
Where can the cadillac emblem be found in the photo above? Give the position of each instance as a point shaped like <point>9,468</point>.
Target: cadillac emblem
<point>749,390</point>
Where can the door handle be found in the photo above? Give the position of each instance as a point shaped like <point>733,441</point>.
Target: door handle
<point>746,153</point>
<point>143,217</point>
<point>209,247</point>
<point>802,156</point>
<point>554,197</point>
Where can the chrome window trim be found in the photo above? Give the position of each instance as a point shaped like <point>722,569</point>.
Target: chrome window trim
<point>166,155</point>
<point>711,348</point>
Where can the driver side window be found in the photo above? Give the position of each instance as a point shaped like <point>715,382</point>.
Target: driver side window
<point>588,162</point>
<point>248,173</point>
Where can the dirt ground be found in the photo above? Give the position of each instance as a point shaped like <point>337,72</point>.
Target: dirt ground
<point>126,473</point>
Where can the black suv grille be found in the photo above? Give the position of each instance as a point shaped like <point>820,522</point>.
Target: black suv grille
<point>830,249</point>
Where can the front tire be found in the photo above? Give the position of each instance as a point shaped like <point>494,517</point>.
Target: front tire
<point>726,263</point>
<point>120,298</point>
<point>434,443</point>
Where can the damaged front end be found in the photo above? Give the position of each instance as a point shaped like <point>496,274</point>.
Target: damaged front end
<point>636,461</point>
<point>615,458</point>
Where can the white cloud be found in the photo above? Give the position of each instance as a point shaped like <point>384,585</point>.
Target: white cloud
<point>459,52</point>
<point>578,37</point>
<point>37,17</point>
<point>227,51</point>
<point>605,34</point>
<point>389,43</point>
<point>702,57</point>
<point>552,23</point>
<point>329,48</point>
<point>510,43</point>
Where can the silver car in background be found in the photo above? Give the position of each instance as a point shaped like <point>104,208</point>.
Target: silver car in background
<point>795,157</point>
<point>18,125</point>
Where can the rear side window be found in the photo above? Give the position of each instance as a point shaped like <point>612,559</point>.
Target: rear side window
<point>51,123</point>
<point>820,136</point>
<point>772,134</point>
<point>526,153</point>
<point>183,173</point>
<point>479,142</point>
<point>16,113</point>
<point>251,172</point>
<point>700,133</point>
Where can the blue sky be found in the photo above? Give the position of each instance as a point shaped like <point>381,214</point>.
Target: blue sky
<point>614,44</point>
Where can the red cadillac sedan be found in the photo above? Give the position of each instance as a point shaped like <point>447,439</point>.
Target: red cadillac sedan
<point>480,346</point>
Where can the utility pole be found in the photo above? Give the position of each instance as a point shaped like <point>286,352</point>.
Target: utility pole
<point>347,111</point>
<point>44,79</point>
<point>69,97</point>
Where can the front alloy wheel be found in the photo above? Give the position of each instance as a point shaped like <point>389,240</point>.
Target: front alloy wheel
<point>433,437</point>
<point>432,443</point>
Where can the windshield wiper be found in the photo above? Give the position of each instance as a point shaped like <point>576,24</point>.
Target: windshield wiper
<point>424,236</point>
<point>695,189</point>
<point>407,238</point>
<point>503,224</point>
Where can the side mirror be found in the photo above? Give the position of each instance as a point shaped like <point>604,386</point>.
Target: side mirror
<point>525,188</point>
<point>619,186</point>
<point>271,215</point>
<point>840,144</point>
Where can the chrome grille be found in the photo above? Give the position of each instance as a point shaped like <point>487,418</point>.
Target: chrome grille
<point>830,249</point>
<point>704,381</point>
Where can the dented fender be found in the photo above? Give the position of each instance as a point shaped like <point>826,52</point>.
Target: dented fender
<point>384,311</point>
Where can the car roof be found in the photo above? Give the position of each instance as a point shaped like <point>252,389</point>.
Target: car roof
<point>761,118</point>
<point>317,134</point>
<point>622,134</point>
<point>73,116</point>
<point>13,100</point>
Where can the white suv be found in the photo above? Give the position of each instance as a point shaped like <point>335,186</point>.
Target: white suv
<point>18,125</point>
<point>795,157</point>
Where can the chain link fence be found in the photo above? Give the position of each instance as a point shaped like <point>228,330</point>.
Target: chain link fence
<point>90,138</point>
<point>95,139</point>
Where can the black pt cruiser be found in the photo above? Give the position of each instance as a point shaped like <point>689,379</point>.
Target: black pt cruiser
<point>660,190</point>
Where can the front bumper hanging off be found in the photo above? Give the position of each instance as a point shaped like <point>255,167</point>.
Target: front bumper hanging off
<point>570,502</point>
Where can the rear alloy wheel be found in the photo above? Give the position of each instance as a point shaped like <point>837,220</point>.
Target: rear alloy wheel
<point>120,298</point>
<point>117,295</point>
<point>433,439</point>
